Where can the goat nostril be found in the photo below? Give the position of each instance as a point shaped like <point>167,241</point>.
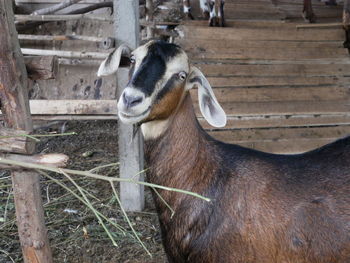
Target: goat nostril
<point>136,100</point>
<point>131,101</point>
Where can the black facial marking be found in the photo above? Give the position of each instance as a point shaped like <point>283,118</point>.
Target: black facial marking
<point>153,66</point>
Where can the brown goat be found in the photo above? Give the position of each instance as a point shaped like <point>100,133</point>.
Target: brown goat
<point>265,208</point>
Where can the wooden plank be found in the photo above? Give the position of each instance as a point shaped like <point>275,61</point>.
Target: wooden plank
<point>45,67</point>
<point>285,108</point>
<point>130,147</point>
<point>275,134</point>
<point>327,61</point>
<point>296,70</point>
<point>257,81</point>
<point>228,34</point>
<point>204,44</point>
<point>239,122</point>
<point>274,53</point>
<point>280,94</point>
<point>77,107</point>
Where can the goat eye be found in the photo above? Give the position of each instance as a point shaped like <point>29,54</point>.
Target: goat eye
<point>182,75</point>
<point>132,60</point>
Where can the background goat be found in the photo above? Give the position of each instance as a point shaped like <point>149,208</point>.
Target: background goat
<point>265,208</point>
<point>212,10</point>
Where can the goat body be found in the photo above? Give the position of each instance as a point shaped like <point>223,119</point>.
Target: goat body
<point>265,208</point>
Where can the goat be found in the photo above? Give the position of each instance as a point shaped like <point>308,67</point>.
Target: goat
<point>212,10</point>
<point>265,208</point>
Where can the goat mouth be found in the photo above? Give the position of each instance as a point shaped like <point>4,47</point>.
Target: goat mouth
<point>130,117</point>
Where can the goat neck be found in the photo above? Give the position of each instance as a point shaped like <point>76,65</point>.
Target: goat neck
<point>183,143</point>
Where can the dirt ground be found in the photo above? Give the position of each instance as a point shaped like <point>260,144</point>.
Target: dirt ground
<point>67,218</point>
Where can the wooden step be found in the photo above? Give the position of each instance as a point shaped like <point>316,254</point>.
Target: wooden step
<point>228,34</point>
<point>282,94</point>
<point>286,70</point>
<point>275,81</point>
<point>208,44</point>
<point>325,62</point>
<point>285,108</point>
<point>275,53</point>
<point>261,121</point>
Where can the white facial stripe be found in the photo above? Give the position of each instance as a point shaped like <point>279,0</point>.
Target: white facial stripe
<point>187,9</point>
<point>140,53</point>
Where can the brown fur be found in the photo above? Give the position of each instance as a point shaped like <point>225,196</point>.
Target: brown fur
<point>165,107</point>
<point>265,208</point>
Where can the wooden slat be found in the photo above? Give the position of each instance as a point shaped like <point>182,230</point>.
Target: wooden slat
<point>234,122</point>
<point>79,107</point>
<point>285,108</point>
<point>280,94</point>
<point>246,135</point>
<point>296,70</point>
<point>274,53</point>
<point>209,44</point>
<point>229,34</point>
<point>275,81</point>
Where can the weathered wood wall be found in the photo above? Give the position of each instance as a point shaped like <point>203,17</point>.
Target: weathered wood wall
<point>77,81</point>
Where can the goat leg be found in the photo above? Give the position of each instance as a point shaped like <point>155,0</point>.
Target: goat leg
<point>221,14</point>
<point>308,13</point>
<point>187,9</point>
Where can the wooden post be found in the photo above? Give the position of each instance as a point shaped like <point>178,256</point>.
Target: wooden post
<point>15,107</point>
<point>149,18</point>
<point>126,17</point>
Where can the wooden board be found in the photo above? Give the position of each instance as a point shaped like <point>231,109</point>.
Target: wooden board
<point>285,108</point>
<point>275,81</point>
<point>274,53</point>
<point>280,94</point>
<point>279,121</point>
<point>286,70</point>
<point>228,34</point>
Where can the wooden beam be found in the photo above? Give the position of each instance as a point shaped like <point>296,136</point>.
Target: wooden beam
<point>52,18</point>
<point>52,159</point>
<point>57,7</point>
<point>77,107</point>
<point>44,67</point>
<point>126,14</point>
<point>15,106</point>
<point>16,141</point>
<point>64,53</point>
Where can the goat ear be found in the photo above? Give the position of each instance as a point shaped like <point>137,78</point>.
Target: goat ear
<point>111,64</point>
<point>208,104</point>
